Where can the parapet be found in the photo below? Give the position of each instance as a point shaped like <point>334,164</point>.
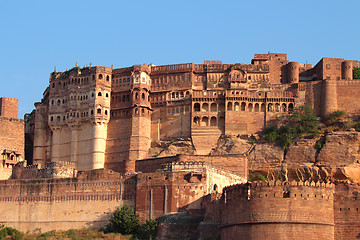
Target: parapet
<point>278,189</point>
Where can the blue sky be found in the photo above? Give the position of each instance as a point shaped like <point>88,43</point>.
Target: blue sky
<point>37,35</point>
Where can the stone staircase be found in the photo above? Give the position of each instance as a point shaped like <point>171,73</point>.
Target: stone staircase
<point>205,138</point>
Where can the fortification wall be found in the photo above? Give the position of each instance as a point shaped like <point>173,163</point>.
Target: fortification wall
<point>85,201</point>
<point>346,211</point>
<point>236,163</point>
<point>271,210</point>
<point>348,92</point>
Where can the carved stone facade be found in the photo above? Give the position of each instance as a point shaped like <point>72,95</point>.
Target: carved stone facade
<point>101,117</point>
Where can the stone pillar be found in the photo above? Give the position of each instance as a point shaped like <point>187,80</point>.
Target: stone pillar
<point>56,146</point>
<point>74,143</point>
<point>98,145</point>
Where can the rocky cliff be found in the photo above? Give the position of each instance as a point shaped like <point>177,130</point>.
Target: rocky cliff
<point>333,157</point>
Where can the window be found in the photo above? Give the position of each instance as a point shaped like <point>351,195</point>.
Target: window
<point>143,95</point>
<point>99,94</point>
<point>107,95</point>
<point>328,66</point>
<point>107,78</point>
<point>99,111</point>
<point>100,76</point>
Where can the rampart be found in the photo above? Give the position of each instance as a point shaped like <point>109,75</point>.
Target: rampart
<point>52,170</point>
<point>85,201</point>
<point>278,210</point>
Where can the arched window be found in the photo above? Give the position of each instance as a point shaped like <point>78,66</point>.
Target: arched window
<point>213,107</point>
<point>243,106</point>
<point>205,107</point>
<point>250,107</point>
<point>256,107</point>
<point>197,107</point>
<point>58,119</point>
<point>52,119</point>
<point>107,95</point>
<point>237,106</point>
<point>291,107</point>
<point>213,121</point>
<point>270,107</point>
<point>196,120</point>
<point>283,107</point>
<point>136,95</point>
<point>100,76</point>
<point>107,78</point>
<point>105,112</point>
<point>263,107</point>
<point>99,94</point>
<point>229,106</point>
<point>277,107</point>
<point>205,121</point>
<point>99,111</point>
<point>143,96</point>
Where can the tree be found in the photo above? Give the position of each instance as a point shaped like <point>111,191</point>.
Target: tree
<point>356,73</point>
<point>304,119</point>
<point>123,221</point>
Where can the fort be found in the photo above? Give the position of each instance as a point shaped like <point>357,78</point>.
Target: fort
<point>178,143</point>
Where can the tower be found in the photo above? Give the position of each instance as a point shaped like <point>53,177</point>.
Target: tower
<point>139,141</point>
<point>79,110</point>
<point>293,72</point>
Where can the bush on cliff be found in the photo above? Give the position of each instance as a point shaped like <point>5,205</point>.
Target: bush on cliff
<point>302,121</point>
<point>9,233</point>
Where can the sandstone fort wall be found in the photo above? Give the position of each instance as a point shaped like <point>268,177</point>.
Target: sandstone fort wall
<point>271,210</point>
<point>85,201</point>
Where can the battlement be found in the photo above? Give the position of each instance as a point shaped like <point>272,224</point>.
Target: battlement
<point>60,169</point>
<point>295,190</point>
<point>186,67</point>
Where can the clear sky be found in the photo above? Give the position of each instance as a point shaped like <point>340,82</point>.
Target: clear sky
<point>38,35</point>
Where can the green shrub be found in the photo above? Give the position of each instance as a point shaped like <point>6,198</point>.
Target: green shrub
<point>126,222</point>
<point>123,221</point>
<point>252,177</point>
<point>148,230</point>
<point>302,121</point>
<point>356,73</point>
<point>9,233</point>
